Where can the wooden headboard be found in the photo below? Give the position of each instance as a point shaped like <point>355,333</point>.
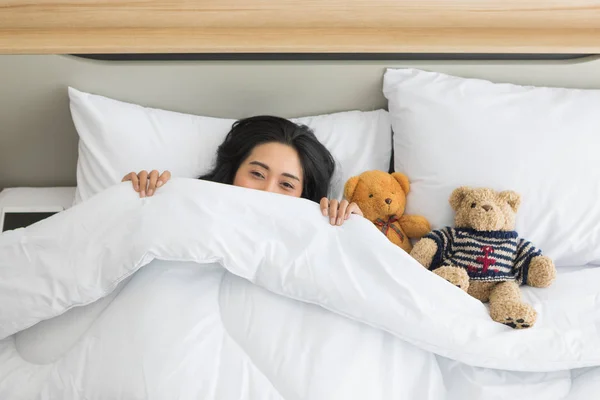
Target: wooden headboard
<point>299,26</point>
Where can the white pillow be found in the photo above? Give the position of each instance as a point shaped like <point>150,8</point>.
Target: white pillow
<point>542,142</point>
<point>118,137</point>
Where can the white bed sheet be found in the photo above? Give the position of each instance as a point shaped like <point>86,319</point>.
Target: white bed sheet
<point>176,328</point>
<point>216,330</point>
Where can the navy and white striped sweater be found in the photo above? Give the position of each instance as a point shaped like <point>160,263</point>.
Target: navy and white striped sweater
<point>485,255</point>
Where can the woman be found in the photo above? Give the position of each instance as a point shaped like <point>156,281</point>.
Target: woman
<point>271,154</point>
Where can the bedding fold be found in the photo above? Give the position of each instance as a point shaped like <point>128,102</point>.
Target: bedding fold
<point>285,246</point>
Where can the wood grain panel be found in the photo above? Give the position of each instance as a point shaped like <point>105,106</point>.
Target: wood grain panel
<point>133,26</point>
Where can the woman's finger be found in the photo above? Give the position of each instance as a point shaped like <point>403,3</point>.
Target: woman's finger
<point>132,176</point>
<point>353,208</point>
<point>164,178</point>
<point>342,212</point>
<point>153,178</point>
<point>143,176</point>
<point>324,206</point>
<point>333,211</point>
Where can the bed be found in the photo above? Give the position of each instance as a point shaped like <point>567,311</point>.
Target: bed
<point>105,300</point>
<point>190,295</point>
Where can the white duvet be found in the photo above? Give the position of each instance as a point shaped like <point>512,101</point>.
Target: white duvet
<point>194,294</point>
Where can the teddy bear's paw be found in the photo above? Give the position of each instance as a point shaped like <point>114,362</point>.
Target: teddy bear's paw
<point>514,314</point>
<point>455,275</point>
<point>542,272</point>
<point>518,324</point>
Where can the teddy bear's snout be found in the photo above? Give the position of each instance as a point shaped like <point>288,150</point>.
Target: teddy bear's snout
<point>487,207</point>
<point>388,201</point>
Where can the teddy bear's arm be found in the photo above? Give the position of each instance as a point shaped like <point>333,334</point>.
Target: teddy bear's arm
<point>542,272</point>
<point>415,226</point>
<point>424,251</point>
<point>539,270</point>
<point>429,250</point>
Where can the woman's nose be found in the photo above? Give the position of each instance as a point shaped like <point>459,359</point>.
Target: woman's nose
<point>271,186</point>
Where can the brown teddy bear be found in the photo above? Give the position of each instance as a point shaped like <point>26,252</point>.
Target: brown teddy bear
<point>484,256</point>
<point>382,199</point>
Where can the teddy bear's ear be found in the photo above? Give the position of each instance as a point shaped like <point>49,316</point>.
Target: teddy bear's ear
<point>457,197</point>
<point>402,180</point>
<point>512,198</point>
<point>350,187</point>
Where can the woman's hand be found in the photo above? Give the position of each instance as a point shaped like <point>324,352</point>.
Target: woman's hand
<point>146,183</point>
<point>338,212</point>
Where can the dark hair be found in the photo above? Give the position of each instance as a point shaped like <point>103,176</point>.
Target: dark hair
<point>317,162</point>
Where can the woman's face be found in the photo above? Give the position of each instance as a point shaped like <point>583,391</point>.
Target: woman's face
<point>271,167</point>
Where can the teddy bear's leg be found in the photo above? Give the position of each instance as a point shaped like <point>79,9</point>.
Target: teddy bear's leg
<point>481,290</point>
<point>541,272</point>
<point>424,251</point>
<point>507,308</point>
<point>455,275</point>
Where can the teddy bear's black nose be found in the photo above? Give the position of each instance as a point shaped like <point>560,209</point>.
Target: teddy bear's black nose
<point>388,200</point>
<point>486,207</point>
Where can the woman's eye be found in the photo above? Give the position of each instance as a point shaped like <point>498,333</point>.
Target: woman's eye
<point>257,174</point>
<point>370,195</point>
<point>288,185</point>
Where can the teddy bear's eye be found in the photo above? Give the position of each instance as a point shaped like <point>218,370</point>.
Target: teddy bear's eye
<point>473,205</point>
<point>371,195</point>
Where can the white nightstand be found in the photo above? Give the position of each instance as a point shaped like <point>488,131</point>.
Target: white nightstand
<point>23,206</point>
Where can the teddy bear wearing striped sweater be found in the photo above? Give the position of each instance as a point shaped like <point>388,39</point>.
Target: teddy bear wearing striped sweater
<point>484,256</point>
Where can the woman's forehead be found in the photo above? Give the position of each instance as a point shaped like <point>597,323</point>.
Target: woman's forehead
<point>277,157</point>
